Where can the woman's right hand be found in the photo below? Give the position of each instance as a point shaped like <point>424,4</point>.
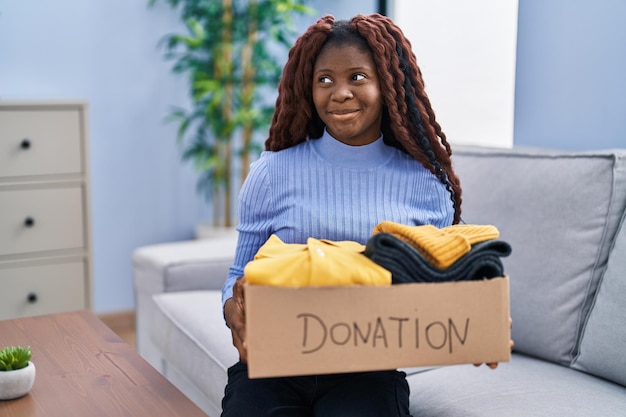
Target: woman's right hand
<point>235,315</point>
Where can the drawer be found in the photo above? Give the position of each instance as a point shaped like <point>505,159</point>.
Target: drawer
<point>45,219</point>
<point>40,142</point>
<point>42,289</point>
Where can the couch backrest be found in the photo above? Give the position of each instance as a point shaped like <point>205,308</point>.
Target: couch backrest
<point>560,212</point>
<point>601,349</point>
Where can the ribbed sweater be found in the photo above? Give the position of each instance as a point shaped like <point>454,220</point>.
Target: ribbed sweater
<point>325,189</point>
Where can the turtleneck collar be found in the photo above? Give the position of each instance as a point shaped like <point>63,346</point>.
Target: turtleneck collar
<point>348,156</point>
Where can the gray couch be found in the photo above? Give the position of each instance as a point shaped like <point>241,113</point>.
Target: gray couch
<point>564,215</point>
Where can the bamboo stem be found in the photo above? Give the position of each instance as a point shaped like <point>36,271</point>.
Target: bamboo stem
<point>224,143</point>
<point>248,87</point>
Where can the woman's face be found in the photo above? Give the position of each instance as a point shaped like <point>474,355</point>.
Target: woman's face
<point>346,94</point>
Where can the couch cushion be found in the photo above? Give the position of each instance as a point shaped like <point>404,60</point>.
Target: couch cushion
<point>602,350</point>
<point>193,338</point>
<point>187,265</point>
<point>524,387</point>
<point>560,212</point>
<point>200,264</point>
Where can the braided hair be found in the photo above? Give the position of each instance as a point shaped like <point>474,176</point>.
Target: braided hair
<point>408,120</point>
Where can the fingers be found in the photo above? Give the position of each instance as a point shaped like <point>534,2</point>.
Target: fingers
<point>238,331</point>
<point>234,312</point>
<point>238,293</point>
<point>511,342</point>
<point>239,340</point>
<point>492,365</point>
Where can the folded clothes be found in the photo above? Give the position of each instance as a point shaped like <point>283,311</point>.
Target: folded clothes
<point>316,263</point>
<point>440,246</point>
<point>408,265</point>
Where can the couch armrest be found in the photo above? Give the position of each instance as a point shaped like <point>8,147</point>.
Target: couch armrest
<point>182,266</point>
<point>179,266</point>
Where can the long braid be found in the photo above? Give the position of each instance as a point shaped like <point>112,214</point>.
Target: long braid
<point>408,121</point>
<point>412,121</point>
<point>421,137</point>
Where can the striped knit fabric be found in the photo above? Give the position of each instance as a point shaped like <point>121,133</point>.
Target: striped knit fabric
<point>440,246</point>
<point>326,189</point>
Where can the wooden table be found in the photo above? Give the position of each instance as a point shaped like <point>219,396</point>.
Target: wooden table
<point>86,370</point>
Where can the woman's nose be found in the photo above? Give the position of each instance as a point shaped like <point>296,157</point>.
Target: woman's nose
<point>342,92</point>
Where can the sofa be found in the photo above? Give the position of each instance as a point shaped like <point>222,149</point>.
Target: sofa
<point>563,214</point>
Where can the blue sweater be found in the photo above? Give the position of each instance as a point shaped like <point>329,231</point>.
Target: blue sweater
<point>325,189</point>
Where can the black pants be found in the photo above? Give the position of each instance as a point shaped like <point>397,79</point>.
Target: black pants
<point>364,394</point>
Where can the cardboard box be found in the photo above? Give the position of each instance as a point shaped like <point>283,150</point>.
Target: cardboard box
<point>320,330</point>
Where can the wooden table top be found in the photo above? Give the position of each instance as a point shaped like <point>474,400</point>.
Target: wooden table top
<point>86,370</point>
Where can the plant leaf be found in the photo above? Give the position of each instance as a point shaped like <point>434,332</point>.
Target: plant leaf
<point>14,357</point>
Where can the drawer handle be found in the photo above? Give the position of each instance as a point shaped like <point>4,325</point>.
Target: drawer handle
<point>25,144</point>
<point>29,222</point>
<point>32,298</point>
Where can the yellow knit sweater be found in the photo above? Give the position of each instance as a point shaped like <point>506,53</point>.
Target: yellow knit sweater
<point>441,247</point>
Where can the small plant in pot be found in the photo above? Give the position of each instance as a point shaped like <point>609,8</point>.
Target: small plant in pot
<point>17,372</point>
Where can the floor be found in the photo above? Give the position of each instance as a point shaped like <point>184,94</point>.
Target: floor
<point>123,324</point>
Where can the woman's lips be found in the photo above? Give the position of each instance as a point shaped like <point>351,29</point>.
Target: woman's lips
<point>343,114</point>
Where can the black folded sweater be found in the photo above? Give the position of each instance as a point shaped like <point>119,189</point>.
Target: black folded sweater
<point>407,265</point>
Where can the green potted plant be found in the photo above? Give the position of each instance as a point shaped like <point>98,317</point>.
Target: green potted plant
<point>17,372</point>
<point>232,52</point>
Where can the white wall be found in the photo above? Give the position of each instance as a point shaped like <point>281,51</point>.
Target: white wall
<point>466,51</point>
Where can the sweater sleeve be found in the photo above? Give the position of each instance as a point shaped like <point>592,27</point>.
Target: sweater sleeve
<point>255,222</point>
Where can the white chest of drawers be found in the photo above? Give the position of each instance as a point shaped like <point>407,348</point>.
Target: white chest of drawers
<point>45,216</point>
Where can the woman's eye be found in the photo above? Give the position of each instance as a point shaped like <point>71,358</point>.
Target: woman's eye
<point>325,80</point>
<point>358,77</point>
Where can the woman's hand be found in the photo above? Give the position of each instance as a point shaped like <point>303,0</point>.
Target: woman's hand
<point>235,315</point>
<point>494,365</point>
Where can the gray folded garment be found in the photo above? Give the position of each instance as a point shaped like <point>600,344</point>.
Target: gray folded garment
<point>407,265</point>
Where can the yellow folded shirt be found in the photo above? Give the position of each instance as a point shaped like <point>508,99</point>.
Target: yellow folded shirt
<point>316,263</point>
<point>441,247</point>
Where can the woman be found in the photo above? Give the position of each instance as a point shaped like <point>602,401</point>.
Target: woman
<point>353,142</point>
